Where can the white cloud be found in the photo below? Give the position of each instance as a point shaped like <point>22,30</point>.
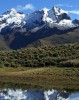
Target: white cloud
<point>64,5</point>
<point>26,7</point>
<point>74,12</point>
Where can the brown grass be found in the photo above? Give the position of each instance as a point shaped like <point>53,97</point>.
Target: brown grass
<point>42,78</point>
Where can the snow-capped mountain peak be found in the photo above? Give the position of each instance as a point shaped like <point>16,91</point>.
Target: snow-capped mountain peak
<point>11,17</point>
<point>46,17</point>
<point>18,30</point>
<point>58,11</point>
<point>12,11</point>
<point>55,17</point>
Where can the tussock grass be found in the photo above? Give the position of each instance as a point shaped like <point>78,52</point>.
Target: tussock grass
<point>40,78</point>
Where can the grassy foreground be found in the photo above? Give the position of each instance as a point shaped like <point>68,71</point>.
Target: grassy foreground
<point>40,78</point>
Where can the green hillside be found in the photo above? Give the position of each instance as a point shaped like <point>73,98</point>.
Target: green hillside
<point>62,56</point>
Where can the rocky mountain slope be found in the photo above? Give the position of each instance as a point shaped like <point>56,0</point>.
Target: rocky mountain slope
<point>44,27</point>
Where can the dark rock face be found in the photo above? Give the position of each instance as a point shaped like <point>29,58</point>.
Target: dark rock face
<point>19,38</point>
<point>76,21</point>
<point>63,16</point>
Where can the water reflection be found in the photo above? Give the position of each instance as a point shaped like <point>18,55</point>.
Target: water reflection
<point>18,94</point>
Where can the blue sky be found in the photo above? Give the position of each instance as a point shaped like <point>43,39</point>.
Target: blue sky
<point>27,6</point>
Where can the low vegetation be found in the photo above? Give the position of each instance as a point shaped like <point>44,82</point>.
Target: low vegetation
<point>62,56</point>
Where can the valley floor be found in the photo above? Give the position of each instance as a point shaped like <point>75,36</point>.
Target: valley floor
<point>40,78</point>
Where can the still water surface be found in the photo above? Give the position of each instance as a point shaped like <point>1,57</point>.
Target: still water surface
<point>18,94</point>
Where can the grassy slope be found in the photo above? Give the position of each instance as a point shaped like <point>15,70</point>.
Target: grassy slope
<point>57,39</point>
<point>40,78</point>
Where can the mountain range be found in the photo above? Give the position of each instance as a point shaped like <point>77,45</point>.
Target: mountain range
<point>39,28</point>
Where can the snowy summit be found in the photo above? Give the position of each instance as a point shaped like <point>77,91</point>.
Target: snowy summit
<point>54,17</point>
